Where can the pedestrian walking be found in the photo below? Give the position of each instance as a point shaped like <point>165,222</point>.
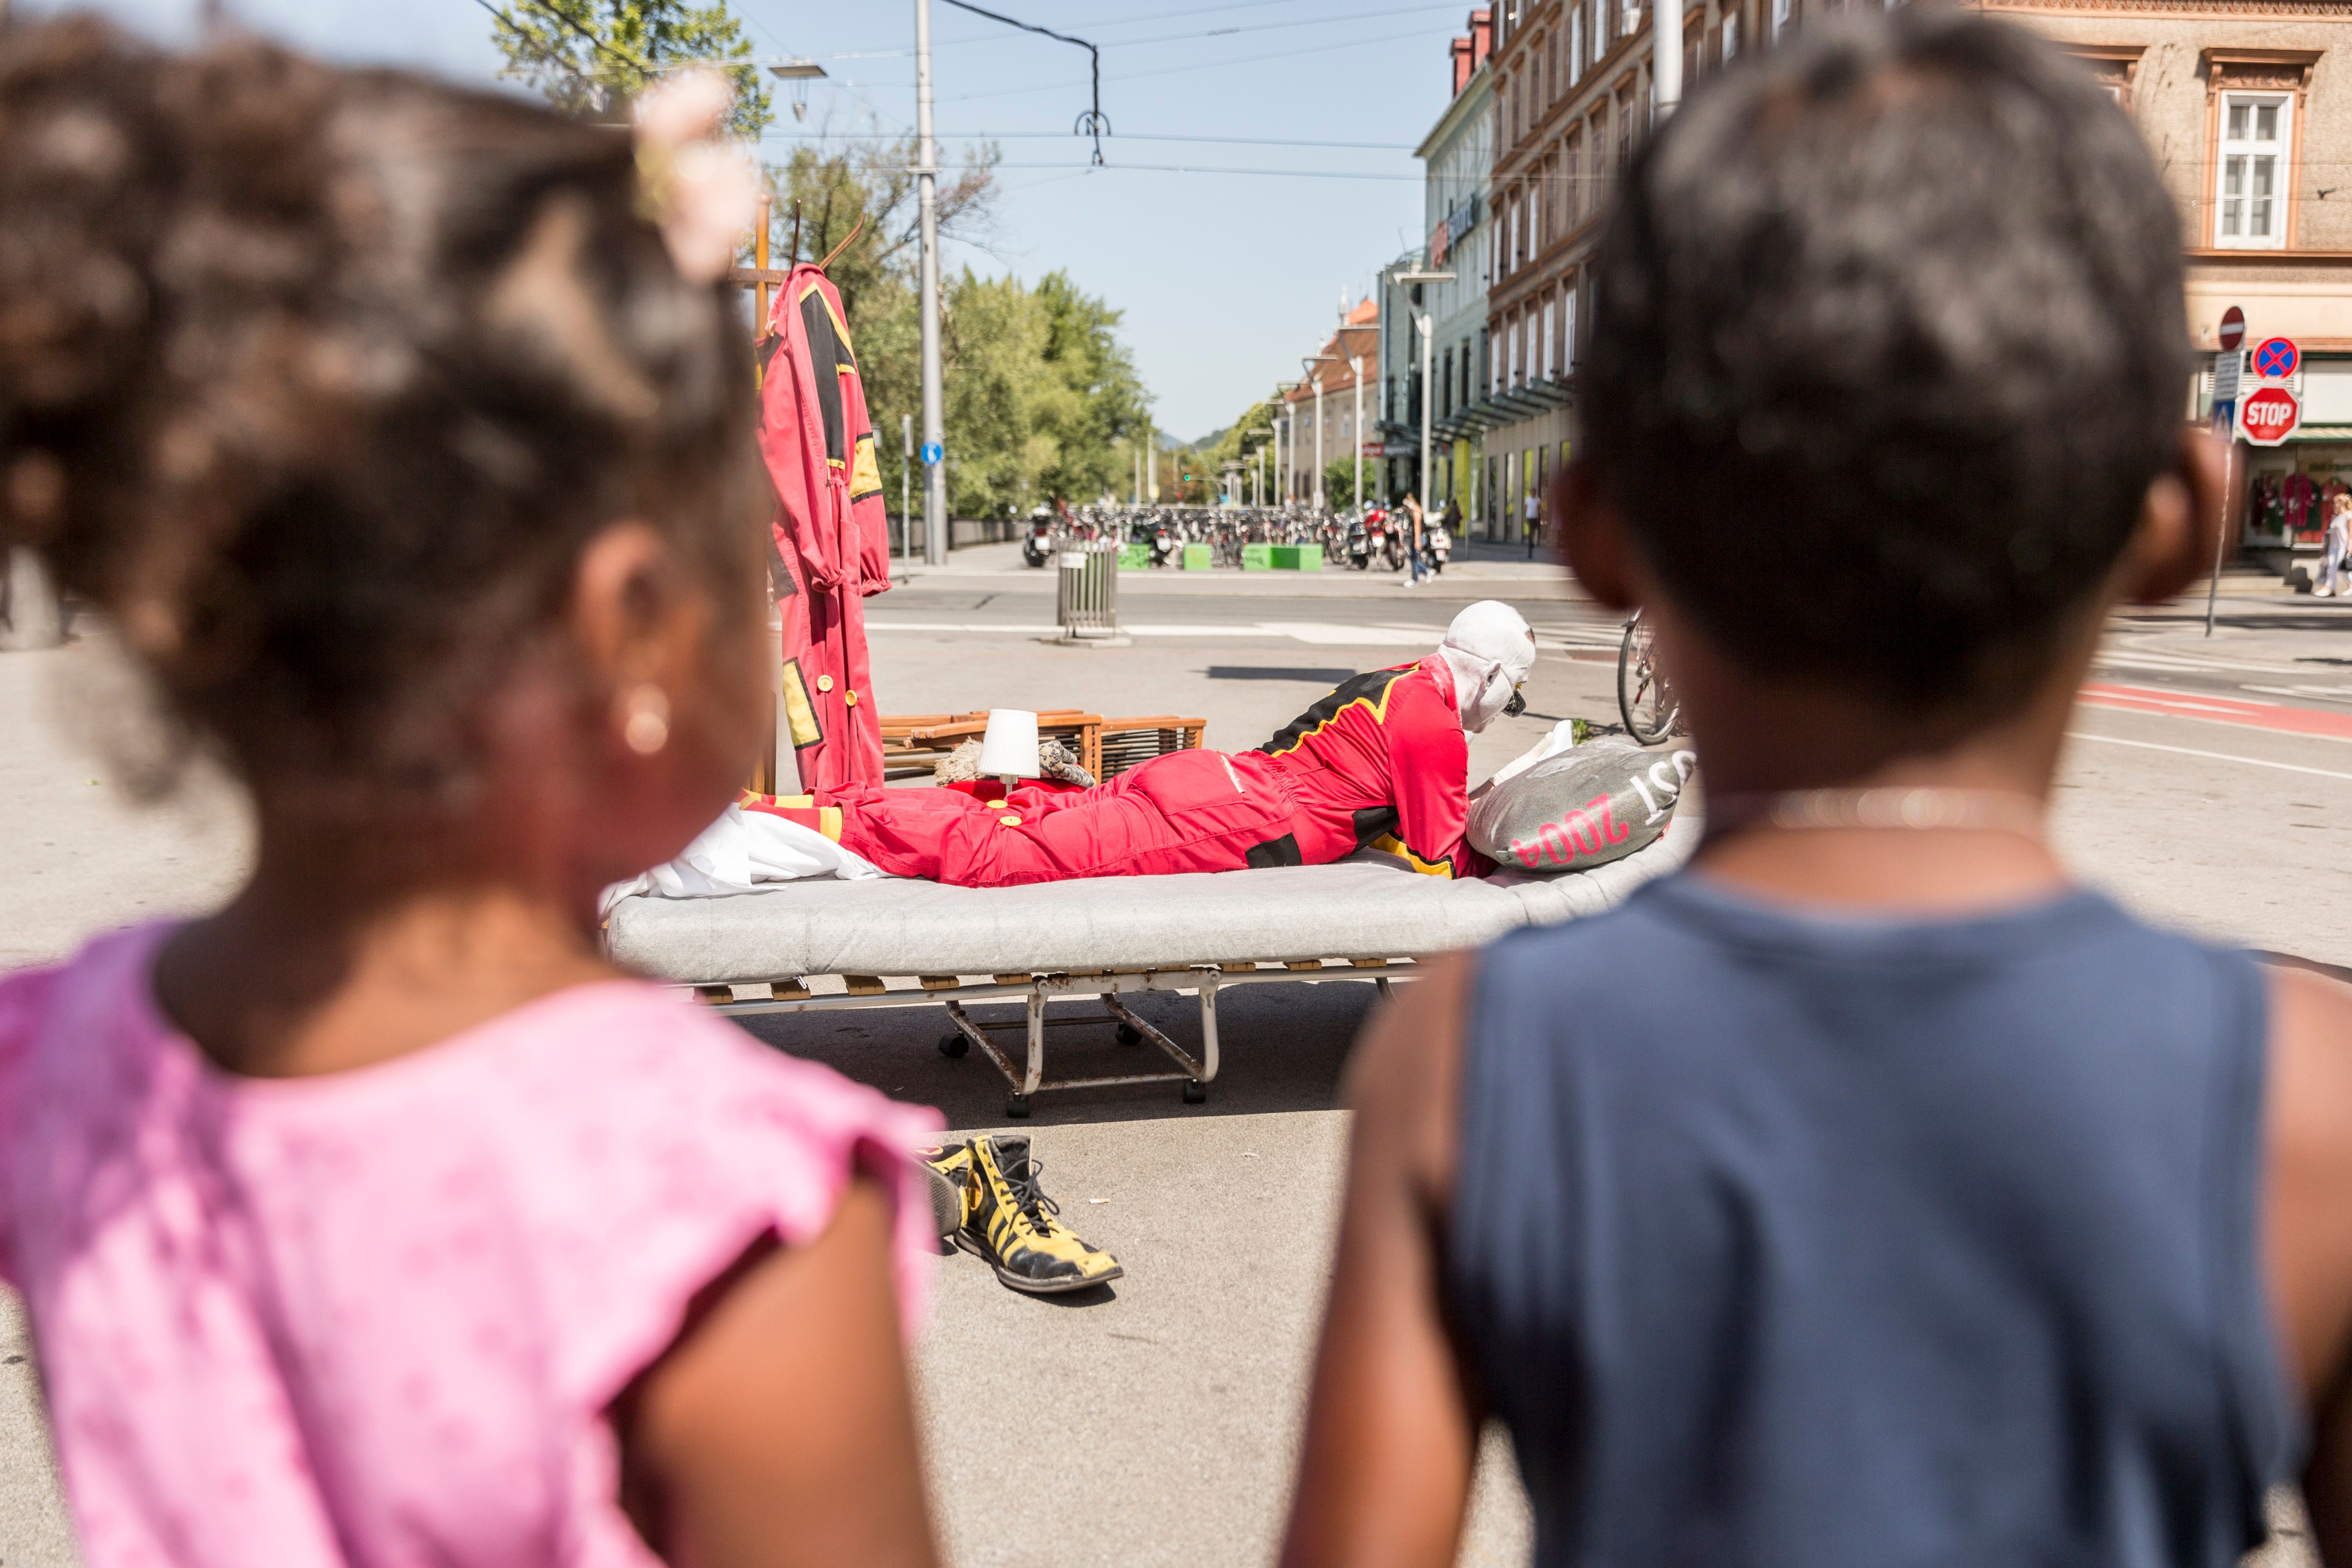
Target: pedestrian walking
<point>2335,550</point>
<point>405,435</point>
<point>1947,1213</point>
<point>1415,544</point>
<point>1534,505</point>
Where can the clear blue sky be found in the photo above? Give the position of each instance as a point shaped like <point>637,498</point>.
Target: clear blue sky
<point>1225,277</point>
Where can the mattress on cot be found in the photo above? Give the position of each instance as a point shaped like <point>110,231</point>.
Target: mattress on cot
<point>1370,906</point>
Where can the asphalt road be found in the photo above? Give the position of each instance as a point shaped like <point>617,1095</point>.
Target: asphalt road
<point>1157,1423</point>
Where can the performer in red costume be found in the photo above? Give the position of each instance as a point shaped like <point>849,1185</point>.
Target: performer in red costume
<point>1383,760</point>
<point>830,534</point>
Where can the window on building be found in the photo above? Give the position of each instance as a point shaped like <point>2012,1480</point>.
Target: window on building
<point>1568,326</point>
<point>1576,46</point>
<point>1783,13</point>
<point>1730,36</point>
<point>1511,255</point>
<point>1600,38</point>
<point>2250,200</point>
<point>1630,22</point>
<point>1552,67</point>
<point>1445,403</point>
<point>1547,324</point>
<point>1571,187</point>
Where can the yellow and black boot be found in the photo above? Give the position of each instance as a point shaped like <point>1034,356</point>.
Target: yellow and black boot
<point>949,1168</point>
<point>1011,1223</point>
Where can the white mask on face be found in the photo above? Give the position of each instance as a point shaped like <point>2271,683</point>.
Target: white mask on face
<point>1490,650</point>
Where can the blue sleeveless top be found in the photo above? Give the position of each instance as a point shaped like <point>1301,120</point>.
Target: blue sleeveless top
<point>1784,1238</point>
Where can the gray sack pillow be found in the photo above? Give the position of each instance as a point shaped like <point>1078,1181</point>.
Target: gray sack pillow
<point>1584,808</point>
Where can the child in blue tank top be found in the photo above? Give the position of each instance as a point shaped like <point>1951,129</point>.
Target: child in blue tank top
<point>1868,1193</point>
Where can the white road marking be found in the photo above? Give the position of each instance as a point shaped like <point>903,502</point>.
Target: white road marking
<point>2216,756</point>
<point>2336,691</point>
<point>1327,633</point>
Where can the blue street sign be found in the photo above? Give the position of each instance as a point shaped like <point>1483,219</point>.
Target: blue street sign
<point>2277,358</point>
<point>932,453</point>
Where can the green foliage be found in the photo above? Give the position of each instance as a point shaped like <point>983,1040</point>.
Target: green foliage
<point>554,45</point>
<point>1040,394</point>
<point>1237,443</point>
<point>1339,482</point>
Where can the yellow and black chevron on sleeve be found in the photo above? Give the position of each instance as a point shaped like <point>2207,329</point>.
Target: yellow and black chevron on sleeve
<point>1370,688</point>
<point>864,474</point>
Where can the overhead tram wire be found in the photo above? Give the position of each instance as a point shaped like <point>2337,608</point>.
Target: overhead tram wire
<point>1202,66</point>
<point>1163,38</point>
<point>1092,121</point>
<point>1123,136</point>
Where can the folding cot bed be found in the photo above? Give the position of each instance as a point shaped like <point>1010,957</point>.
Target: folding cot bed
<point>820,945</point>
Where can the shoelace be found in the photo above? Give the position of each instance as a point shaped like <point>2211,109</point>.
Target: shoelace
<point>1030,1199</point>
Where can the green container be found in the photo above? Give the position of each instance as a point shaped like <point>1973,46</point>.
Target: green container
<point>1297,557</point>
<point>1198,558</point>
<point>1134,557</point>
<point>1258,557</point>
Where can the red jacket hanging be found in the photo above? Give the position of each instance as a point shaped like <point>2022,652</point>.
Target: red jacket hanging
<point>831,532</point>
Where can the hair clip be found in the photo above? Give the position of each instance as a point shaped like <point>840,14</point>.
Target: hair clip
<point>700,190</point>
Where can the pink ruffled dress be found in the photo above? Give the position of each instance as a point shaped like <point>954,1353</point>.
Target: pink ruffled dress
<point>376,1317</point>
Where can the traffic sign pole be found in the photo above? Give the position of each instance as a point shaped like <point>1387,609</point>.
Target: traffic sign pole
<point>2225,424</point>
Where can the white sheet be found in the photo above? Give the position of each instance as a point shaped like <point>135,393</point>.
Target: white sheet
<point>740,851</point>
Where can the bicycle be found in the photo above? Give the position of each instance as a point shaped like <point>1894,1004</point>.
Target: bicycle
<point>1644,700</point>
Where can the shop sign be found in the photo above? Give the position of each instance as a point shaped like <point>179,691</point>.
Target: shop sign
<point>2270,416</point>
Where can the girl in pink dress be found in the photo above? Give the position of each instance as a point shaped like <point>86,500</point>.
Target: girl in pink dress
<point>405,435</point>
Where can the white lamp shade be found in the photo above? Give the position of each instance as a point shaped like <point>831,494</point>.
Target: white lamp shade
<point>1009,750</point>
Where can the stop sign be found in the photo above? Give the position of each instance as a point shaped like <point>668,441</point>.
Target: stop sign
<point>2270,416</point>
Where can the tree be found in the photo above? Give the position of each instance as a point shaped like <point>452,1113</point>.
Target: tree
<point>592,56</point>
<point>1039,395</point>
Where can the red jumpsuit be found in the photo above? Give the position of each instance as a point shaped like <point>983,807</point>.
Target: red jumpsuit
<point>831,535</point>
<point>1382,762</point>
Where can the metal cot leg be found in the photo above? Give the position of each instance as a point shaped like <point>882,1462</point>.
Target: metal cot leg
<point>1208,1026</point>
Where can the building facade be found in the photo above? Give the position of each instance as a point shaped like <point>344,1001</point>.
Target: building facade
<point>2248,108</point>
<point>2247,105</point>
<point>1332,411</point>
<point>1458,156</point>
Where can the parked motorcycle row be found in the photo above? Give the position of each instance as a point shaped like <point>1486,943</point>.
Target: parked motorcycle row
<point>1372,539</point>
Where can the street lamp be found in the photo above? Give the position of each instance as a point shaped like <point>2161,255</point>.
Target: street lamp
<point>1282,390</point>
<point>1427,328</point>
<point>1356,368</point>
<point>1308,363</point>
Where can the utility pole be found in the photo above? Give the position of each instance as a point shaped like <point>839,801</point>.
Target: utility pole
<point>1281,412</point>
<point>935,478</point>
<point>1425,324</point>
<point>1319,443</point>
<point>1150,468</point>
<point>1355,365</point>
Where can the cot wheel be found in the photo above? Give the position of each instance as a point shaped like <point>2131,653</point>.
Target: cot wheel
<point>1016,1105</point>
<point>1195,1091</point>
<point>953,1045</point>
<point>1128,1034</point>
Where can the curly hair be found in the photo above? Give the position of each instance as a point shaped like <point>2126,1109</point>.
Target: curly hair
<point>317,382</point>
<point>1889,347</point>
